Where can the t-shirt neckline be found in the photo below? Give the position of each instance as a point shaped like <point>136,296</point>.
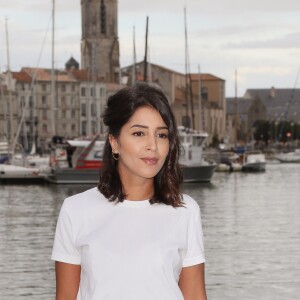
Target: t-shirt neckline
<point>136,203</point>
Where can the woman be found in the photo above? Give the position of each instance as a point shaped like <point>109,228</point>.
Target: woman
<point>135,237</point>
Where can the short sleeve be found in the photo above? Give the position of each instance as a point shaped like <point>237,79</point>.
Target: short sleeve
<point>195,246</point>
<point>64,247</point>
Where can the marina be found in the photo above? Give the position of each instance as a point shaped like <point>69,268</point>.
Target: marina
<point>251,225</point>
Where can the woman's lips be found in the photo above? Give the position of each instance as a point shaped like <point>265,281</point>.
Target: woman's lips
<point>149,160</point>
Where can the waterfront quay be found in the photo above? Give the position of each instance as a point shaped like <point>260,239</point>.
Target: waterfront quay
<point>251,225</point>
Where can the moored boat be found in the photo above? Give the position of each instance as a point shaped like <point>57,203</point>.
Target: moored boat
<point>290,157</point>
<point>254,161</point>
<point>18,174</point>
<point>194,167</point>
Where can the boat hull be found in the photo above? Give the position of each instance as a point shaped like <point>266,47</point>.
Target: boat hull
<point>17,174</point>
<point>74,176</point>
<point>254,167</point>
<point>200,173</point>
<point>296,161</point>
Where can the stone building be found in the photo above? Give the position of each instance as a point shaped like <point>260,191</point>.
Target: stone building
<point>92,95</point>
<point>79,103</point>
<point>241,116</point>
<point>8,107</point>
<point>209,97</point>
<point>205,112</point>
<point>281,104</point>
<point>99,43</point>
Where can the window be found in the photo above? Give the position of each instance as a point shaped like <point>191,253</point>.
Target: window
<point>73,128</point>
<point>44,100</point>
<point>22,102</point>
<point>83,127</point>
<point>30,102</point>
<point>93,110</point>
<point>102,92</point>
<point>73,114</point>
<point>92,92</point>
<point>44,128</point>
<point>63,88</point>
<point>204,93</point>
<point>44,87</point>
<point>63,114</point>
<point>82,93</point>
<point>63,101</point>
<point>73,87</point>
<point>44,114</point>
<point>83,109</point>
<point>186,121</point>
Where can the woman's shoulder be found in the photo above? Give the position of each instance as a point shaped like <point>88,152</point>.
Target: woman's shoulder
<point>189,202</point>
<point>88,198</point>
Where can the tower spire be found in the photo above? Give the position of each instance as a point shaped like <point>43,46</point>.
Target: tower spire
<point>99,43</point>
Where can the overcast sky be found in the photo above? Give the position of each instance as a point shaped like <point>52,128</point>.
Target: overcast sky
<point>258,38</point>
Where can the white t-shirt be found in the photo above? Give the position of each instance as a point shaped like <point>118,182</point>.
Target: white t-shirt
<point>128,251</point>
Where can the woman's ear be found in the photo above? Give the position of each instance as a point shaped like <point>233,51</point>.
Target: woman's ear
<point>113,143</point>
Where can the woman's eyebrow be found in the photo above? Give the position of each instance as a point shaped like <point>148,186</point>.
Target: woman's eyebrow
<point>143,126</point>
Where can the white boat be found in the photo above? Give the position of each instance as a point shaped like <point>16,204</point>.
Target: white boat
<point>194,167</point>
<point>12,173</point>
<point>233,167</point>
<point>254,161</point>
<point>84,164</point>
<point>30,160</point>
<point>290,157</point>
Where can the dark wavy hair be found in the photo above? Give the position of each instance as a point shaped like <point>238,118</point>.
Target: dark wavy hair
<point>120,108</point>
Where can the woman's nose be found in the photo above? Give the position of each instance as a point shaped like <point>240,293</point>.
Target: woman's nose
<point>151,143</point>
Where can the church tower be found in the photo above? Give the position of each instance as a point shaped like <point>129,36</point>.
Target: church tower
<point>99,43</point>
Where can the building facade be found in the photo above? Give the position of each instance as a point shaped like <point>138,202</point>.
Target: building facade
<point>242,114</point>
<point>8,107</point>
<point>99,43</point>
<point>281,104</point>
<point>79,103</point>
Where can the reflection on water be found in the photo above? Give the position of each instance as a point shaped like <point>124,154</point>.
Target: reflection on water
<point>251,224</point>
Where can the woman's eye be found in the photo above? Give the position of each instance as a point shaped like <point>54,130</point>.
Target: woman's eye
<point>163,135</point>
<point>138,133</point>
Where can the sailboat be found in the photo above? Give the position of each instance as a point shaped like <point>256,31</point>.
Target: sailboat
<point>194,167</point>
<point>19,166</point>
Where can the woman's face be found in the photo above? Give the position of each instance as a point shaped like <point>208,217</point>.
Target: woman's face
<point>143,145</point>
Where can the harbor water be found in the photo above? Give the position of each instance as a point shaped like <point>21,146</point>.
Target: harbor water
<point>251,224</point>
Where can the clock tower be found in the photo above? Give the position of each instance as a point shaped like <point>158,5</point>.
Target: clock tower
<point>99,42</point>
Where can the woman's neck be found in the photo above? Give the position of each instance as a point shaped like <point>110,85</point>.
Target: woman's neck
<point>138,189</point>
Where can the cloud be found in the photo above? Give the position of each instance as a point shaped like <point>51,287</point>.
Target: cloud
<point>40,6</point>
<point>291,40</point>
<point>216,7</point>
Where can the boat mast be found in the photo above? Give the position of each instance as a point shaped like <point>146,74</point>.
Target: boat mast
<point>9,77</point>
<point>146,51</point>
<point>235,113</point>
<point>134,59</point>
<point>188,78</point>
<point>2,99</point>
<point>53,104</point>
<point>201,107</point>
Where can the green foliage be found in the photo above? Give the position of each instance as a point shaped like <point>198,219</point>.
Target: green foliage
<point>277,131</point>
